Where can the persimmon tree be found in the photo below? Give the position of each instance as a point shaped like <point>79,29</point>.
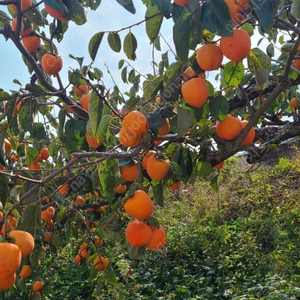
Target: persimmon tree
<point>99,148</point>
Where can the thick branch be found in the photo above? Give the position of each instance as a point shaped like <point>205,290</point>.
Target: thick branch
<point>40,74</point>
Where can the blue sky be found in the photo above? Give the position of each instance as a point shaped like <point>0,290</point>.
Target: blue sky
<point>110,16</point>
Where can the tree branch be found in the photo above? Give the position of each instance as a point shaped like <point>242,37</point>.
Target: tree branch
<point>40,75</point>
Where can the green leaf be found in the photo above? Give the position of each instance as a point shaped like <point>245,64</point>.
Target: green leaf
<point>103,126</point>
<point>153,24</point>
<point>29,218</point>
<point>295,9</point>
<point>186,164</point>
<point>93,4</point>
<point>259,65</point>
<point>176,168</point>
<point>204,169</point>
<point>157,44</point>
<point>184,121</point>
<point>4,189</point>
<point>152,87</point>
<point>130,45</point>
<point>31,155</point>
<point>121,63</point>
<point>94,44</point>
<point>131,76</point>
<point>214,183</point>
<point>219,107</point>
<point>124,74</point>
<point>233,73</point>
<point>107,171</point>
<point>114,41</point>
<point>27,114</point>
<point>4,96</point>
<point>38,131</point>
<point>4,19</point>
<point>215,18</point>
<point>55,239</point>
<point>270,50</point>
<point>165,6</point>
<point>181,36</point>
<point>134,252</point>
<point>133,101</point>
<point>99,286</point>
<point>158,194</point>
<point>128,5</point>
<point>264,12</point>
<point>95,112</point>
<point>152,221</point>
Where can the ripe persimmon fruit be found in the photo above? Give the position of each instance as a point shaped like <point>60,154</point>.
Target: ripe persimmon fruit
<point>81,89</point>
<point>84,101</point>
<point>175,186</point>
<point>79,200</point>
<point>31,42</point>
<point>83,253</point>
<point>44,153</point>
<point>129,173</point>
<point>98,241</point>
<point>157,169</point>
<point>294,102</point>
<point>24,5</point>
<point>46,216</point>
<point>47,236</point>
<point>250,136</point>
<point>129,140</point>
<point>11,222</point>
<point>297,64</point>
<point>145,159</point>
<point>92,141</point>
<point>188,73</point>
<point>209,57</point>
<point>138,234</point>
<point>139,206</point>
<point>24,240</point>
<point>195,92</point>
<point>51,211</point>
<point>158,99</point>
<point>238,10</point>
<point>25,271</point>
<point>229,129</point>
<point>8,282</point>
<point>37,286</point>
<point>7,146</point>
<point>38,158</point>
<point>182,2</point>
<point>34,166</point>
<point>49,224</point>
<point>51,63</point>
<point>57,14</point>
<point>10,259</point>
<point>121,188</point>
<point>219,166</point>
<point>64,189</point>
<point>135,123</point>
<point>158,239</point>
<point>101,263</point>
<point>164,129</point>
<point>77,259</point>
<point>22,31</point>
<point>236,47</point>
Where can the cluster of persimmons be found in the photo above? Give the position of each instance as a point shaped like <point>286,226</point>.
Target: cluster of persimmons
<point>141,232</point>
